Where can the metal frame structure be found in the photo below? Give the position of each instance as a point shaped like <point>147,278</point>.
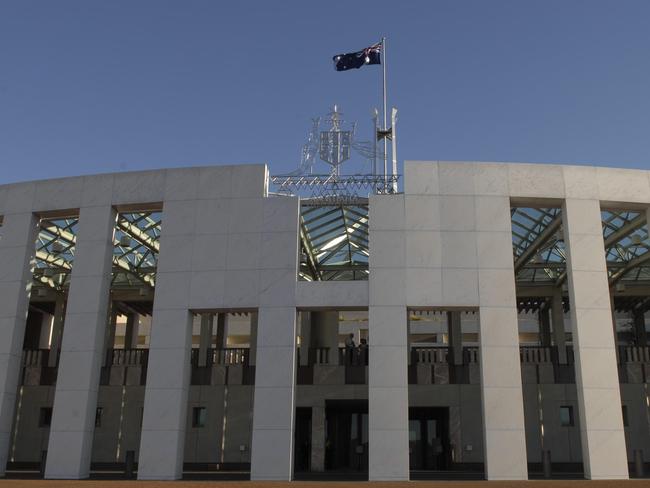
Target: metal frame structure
<point>540,256</point>
<point>134,263</point>
<point>334,241</point>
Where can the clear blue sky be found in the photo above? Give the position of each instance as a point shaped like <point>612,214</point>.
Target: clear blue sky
<point>89,86</point>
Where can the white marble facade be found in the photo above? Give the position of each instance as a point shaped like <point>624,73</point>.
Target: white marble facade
<point>226,244</point>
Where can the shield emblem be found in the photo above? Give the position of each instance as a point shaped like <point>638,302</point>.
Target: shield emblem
<point>334,146</point>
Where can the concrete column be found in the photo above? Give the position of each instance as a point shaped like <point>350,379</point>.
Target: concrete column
<point>275,372</point>
<point>388,434</point>
<point>131,331</point>
<point>455,335</point>
<point>46,330</point>
<point>252,353</point>
<point>17,247</point>
<point>222,331</point>
<point>164,422</point>
<point>57,330</point>
<point>599,399</point>
<point>559,335</point>
<point>325,333</point>
<point>82,349</point>
<point>205,340</point>
<point>544,327</point>
<point>112,328</point>
<point>305,337</point>
<point>274,408</point>
<point>501,392</point>
<point>318,439</point>
<point>639,328</point>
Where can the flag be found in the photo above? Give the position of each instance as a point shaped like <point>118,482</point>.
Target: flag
<point>369,55</point>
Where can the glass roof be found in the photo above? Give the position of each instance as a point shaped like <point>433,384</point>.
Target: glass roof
<point>626,244</point>
<point>333,242</point>
<point>55,251</point>
<point>538,244</point>
<point>135,252</point>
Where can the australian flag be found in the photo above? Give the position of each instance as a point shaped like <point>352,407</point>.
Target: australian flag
<point>369,55</point>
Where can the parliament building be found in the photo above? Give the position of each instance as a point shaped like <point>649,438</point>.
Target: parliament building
<point>486,321</point>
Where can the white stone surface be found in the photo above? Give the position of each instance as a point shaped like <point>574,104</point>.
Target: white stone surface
<point>387,339</point>
<point>18,243</point>
<point>444,243</point>
<point>275,358</point>
<point>82,349</point>
<point>503,414</point>
<point>599,401</point>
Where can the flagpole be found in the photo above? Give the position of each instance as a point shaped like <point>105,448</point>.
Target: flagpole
<point>385,127</point>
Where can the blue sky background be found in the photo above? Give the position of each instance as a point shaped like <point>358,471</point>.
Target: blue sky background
<point>89,86</point>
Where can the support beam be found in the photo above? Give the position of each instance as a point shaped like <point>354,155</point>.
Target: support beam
<point>559,332</point>
<point>504,431</point>
<point>205,340</point>
<point>57,330</point>
<point>139,235</point>
<point>131,331</point>
<point>455,335</point>
<point>16,252</point>
<point>82,349</point>
<point>544,327</point>
<point>599,399</point>
<point>627,229</point>
<point>544,236</point>
<point>639,328</point>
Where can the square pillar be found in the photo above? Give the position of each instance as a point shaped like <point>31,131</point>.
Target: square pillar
<point>455,338</point>
<point>252,351</point>
<point>388,405</point>
<point>57,330</point>
<point>275,359</point>
<point>559,335</point>
<point>206,338</point>
<point>274,402</point>
<point>132,331</point>
<point>17,249</point>
<point>599,399</point>
<point>504,431</point>
<point>82,348</point>
<point>164,421</point>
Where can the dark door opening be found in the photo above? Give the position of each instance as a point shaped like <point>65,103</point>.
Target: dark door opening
<point>429,448</point>
<point>346,443</point>
<point>302,445</point>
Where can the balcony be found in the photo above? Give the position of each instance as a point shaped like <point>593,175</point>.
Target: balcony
<point>125,367</point>
<point>344,366</point>
<point>225,366</point>
<point>36,369</point>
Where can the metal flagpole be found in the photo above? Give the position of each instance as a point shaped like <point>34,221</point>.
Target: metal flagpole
<point>384,128</point>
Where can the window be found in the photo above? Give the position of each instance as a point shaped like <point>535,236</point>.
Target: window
<point>45,417</point>
<point>198,416</point>
<point>626,421</point>
<point>98,416</point>
<point>566,416</point>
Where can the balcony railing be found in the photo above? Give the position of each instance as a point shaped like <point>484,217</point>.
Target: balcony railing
<point>634,354</point>
<point>127,357</point>
<point>429,355</point>
<point>535,354</point>
<point>229,356</point>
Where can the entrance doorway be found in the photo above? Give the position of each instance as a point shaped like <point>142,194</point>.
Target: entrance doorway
<point>346,443</point>
<point>302,448</point>
<point>429,439</point>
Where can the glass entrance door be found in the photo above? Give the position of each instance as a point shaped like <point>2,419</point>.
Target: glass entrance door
<point>347,436</point>
<point>429,439</point>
